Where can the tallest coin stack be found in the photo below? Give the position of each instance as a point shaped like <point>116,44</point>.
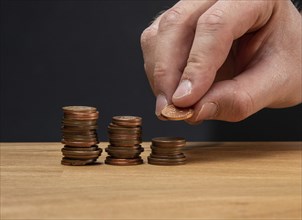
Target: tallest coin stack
<point>79,135</point>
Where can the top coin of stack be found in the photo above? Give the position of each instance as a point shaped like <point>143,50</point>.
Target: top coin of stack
<point>125,137</point>
<point>167,151</point>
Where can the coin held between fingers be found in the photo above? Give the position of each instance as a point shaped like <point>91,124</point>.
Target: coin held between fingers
<point>173,113</point>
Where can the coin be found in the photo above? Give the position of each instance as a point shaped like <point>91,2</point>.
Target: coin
<point>125,153</point>
<point>155,161</point>
<point>127,121</point>
<point>123,162</point>
<point>168,141</point>
<point>80,153</point>
<point>75,162</point>
<point>79,109</point>
<point>79,143</point>
<point>173,113</point>
<point>70,148</point>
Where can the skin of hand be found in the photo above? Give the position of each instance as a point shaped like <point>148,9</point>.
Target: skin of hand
<point>226,59</point>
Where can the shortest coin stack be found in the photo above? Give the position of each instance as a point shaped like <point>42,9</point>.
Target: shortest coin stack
<point>125,138</point>
<point>79,136</point>
<point>167,151</point>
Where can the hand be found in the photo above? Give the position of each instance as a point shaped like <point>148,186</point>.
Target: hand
<point>226,59</point>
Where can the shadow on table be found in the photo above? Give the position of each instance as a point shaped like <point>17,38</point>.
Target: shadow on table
<point>219,151</point>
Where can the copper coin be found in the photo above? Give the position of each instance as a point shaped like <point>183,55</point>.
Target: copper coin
<point>79,128</point>
<point>166,149</point>
<point>124,130</point>
<point>86,109</point>
<point>168,141</point>
<point>81,157</point>
<point>123,162</point>
<point>176,114</point>
<point>124,137</point>
<point>79,152</point>
<point>70,148</point>
<point>155,161</point>
<point>134,147</point>
<point>79,144</point>
<point>162,156</point>
<point>118,149</point>
<point>127,121</point>
<point>74,162</point>
<point>125,143</point>
<point>122,154</point>
<point>77,136</point>
<point>76,114</point>
<point>80,140</point>
<point>71,122</point>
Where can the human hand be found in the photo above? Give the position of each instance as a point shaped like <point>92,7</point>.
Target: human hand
<point>226,59</point>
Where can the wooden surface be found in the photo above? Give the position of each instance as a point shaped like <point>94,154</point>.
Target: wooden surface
<point>260,180</point>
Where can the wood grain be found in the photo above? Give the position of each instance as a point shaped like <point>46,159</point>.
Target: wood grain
<point>259,180</point>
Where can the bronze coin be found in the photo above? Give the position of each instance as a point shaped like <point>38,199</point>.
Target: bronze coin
<point>168,141</point>
<point>123,154</point>
<point>124,137</point>
<point>79,144</point>
<point>86,109</point>
<point>155,161</point>
<point>165,152</point>
<point>71,139</point>
<point>124,143</point>
<point>123,162</point>
<point>127,121</point>
<point>70,148</point>
<point>81,115</point>
<point>134,147</point>
<point>77,152</point>
<point>68,122</point>
<point>176,114</point>
<point>162,156</point>
<point>119,150</point>
<point>78,135</point>
<point>74,162</point>
<point>79,128</point>
<point>78,132</point>
<point>80,157</point>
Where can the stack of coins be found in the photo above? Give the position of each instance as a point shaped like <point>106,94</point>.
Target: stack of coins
<point>79,135</point>
<point>125,137</point>
<point>167,151</point>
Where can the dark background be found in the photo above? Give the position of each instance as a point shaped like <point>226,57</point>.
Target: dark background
<point>58,53</point>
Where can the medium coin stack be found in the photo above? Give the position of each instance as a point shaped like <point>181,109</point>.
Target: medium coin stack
<point>167,151</point>
<point>125,137</point>
<point>79,135</point>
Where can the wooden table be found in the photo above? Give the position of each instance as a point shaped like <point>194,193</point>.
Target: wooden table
<point>259,180</point>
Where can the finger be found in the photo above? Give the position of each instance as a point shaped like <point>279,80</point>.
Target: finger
<point>174,39</point>
<point>236,99</point>
<point>216,29</point>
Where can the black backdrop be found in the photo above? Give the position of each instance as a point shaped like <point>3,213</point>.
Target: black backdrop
<point>57,53</point>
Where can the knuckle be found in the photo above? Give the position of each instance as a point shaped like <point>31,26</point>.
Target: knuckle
<point>212,21</point>
<point>172,17</point>
<point>242,105</point>
<point>147,35</point>
<point>160,71</point>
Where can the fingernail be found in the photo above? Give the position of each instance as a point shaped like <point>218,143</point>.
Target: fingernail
<point>207,111</point>
<point>161,103</point>
<point>184,89</point>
